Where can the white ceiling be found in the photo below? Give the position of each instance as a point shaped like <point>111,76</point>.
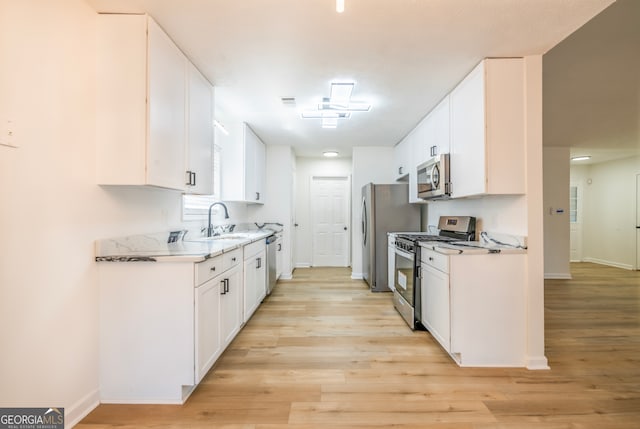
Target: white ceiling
<point>404,55</point>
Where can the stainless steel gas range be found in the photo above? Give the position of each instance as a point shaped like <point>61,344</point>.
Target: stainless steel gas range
<point>406,294</point>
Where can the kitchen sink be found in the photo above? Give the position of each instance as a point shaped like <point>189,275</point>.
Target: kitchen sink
<point>231,236</point>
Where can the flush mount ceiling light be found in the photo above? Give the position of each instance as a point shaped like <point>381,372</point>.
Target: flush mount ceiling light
<point>580,158</point>
<point>330,153</point>
<point>339,6</point>
<point>337,106</point>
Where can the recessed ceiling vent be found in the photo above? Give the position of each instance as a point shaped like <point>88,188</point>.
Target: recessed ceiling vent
<point>288,101</point>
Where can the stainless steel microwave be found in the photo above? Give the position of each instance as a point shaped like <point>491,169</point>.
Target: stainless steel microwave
<point>433,178</point>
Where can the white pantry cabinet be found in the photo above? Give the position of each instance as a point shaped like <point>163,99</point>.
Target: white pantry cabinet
<point>243,165</point>
<point>143,107</point>
<point>475,307</point>
<point>255,277</point>
<point>487,130</point>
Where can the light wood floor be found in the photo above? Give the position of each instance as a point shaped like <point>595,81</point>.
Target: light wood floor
<point>322,351</point>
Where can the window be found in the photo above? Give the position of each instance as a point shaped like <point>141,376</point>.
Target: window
<point>196,207</point>
<point>573,204</point>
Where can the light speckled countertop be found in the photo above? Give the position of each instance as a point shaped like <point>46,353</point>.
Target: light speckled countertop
<point>489,243</point>
<point>165,247</point>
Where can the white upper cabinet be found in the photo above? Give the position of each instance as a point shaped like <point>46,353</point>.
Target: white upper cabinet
<point>438,139</point>
<point>199,174</point>
<point>143,113</point>
<point>243,165</point>
<point>402,158</point>
<point>487,130</point>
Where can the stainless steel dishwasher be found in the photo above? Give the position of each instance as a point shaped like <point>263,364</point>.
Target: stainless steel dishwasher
<point>271,263</point>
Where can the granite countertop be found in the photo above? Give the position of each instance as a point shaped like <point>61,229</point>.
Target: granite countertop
<point>174,246</point>
<point>489,243</point>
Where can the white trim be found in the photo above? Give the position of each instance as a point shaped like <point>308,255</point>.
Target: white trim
<point>537,363</point>
<point>286,276</point>
<point>557,276</point>
<point>302,265</point>
<point>357,276</point>
<point>81,408</point>
<point>609,263</point>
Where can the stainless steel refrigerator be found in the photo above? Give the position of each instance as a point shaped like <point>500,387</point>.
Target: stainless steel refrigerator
<point>385,208</point>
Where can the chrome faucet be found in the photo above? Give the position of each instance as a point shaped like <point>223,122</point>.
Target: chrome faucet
<point>209,225</point>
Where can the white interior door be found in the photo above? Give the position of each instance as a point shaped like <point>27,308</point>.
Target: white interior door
<point>575,222</point>
<point>638,222</point>
<point>330,198</point>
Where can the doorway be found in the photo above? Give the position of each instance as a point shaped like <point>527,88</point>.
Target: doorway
<point>330,218</point>
<point>638,222</point>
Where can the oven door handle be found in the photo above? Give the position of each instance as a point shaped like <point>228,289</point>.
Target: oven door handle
<point>404,254</point>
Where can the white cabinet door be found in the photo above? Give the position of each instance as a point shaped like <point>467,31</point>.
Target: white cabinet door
<point>402,155</point>
<point>199,168</point>
<point>440,116</point>
<point>141,104</point>
<point>261,277</point>
<point>487,130</point>
<point>467,160</point>
<point>231,306</point>
<point>279,256</point>
<point>260,169</point>
<point>251,292</point>
<point>436,305</point>
<point>207,325</point>
<point>255,160</point>
<point>166,104</point>
<point>243,165</point>
<point>391,266</point>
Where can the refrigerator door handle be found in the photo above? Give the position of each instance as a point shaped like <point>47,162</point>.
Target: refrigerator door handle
<point>364,222</point>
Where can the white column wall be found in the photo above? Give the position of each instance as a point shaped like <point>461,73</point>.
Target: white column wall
<point>556,223</point>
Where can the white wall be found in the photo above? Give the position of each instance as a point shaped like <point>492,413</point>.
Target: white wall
<point>609,233</point>
<point>503,214</point>
<point>52,210</point>
<point>306,168</point>
<point>556,225</point>
<point>279,199</point>
<point>370,165</point>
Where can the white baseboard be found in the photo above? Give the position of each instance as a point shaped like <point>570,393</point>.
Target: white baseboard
<point>357,276</point>
<point>609,263</point>
<point>81,409</point>
<point>557,276</point>
<point>286,276</point>
<point>537,363</point>
<point>303,265</point>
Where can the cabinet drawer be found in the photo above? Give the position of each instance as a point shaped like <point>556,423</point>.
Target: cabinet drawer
<point>231,259</point>
<point>254,248</point>
<point>209,269</point>
<point>435,260</point>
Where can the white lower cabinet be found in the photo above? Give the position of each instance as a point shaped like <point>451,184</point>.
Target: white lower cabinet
<point>231,306</point>
<point>217,311</point>
<point>163,325</point>
<point>255,277</point>
<point>474,306</point>
<point>436,304</point>
<point>208,313</point>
